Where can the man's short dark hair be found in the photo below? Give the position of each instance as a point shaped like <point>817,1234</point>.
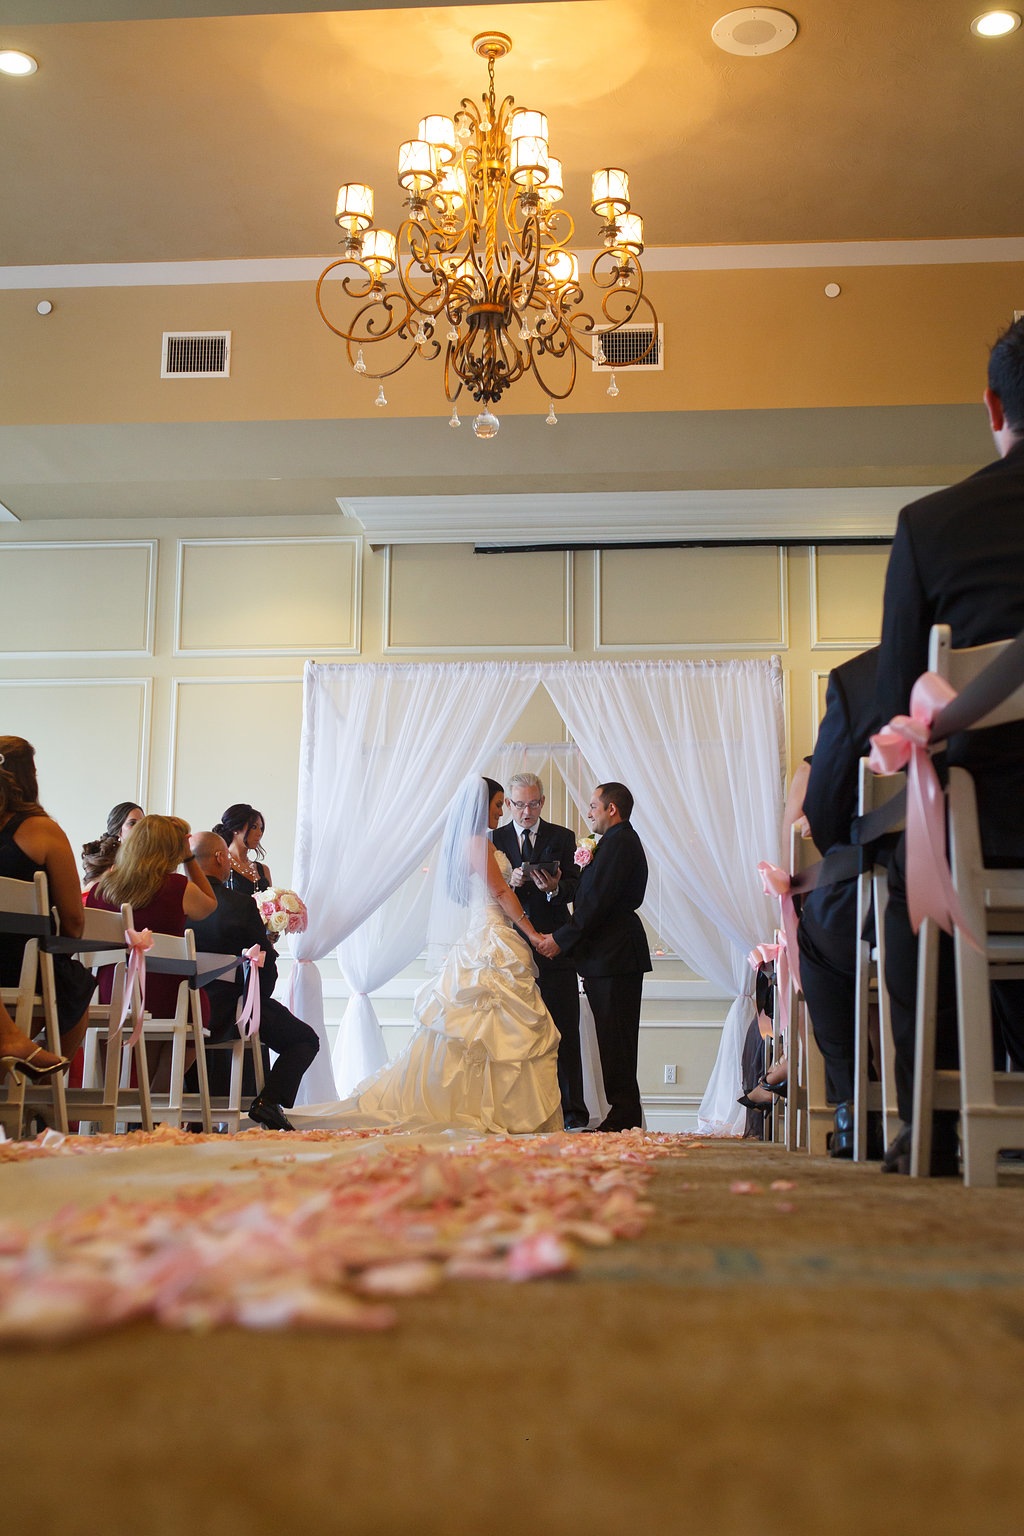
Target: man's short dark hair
<point>617,795</point>
<point>1006,374</point>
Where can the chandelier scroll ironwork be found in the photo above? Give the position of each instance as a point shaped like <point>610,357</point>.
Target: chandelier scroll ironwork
<point>481,268</point>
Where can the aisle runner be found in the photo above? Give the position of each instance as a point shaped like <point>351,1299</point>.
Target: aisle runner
<point>314,1239</point>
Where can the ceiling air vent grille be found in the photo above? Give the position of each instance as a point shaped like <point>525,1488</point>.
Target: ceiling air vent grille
<point>629,349</point>
<point>196,355</point>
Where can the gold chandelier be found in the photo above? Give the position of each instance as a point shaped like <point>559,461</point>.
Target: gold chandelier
<point>482,266</point>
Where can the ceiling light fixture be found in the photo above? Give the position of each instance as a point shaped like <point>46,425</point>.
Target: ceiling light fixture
<point>995,23</point>
<point>482,266</point>
<point>14,62</point>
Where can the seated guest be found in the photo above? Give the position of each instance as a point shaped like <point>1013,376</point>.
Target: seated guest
<point>98,856</point>
<point>234,926</point>
<point>827,934</point>
<point>30,841</point>
<point>958,559</point>
<point>143,874</point>
<point>242,828</point>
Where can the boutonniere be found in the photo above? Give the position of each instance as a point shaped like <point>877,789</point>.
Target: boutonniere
<point>586,847</point>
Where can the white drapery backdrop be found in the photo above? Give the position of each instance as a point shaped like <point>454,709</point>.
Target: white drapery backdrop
<point>700,745</point>
<point>384,748</point>
<point>382,751</point>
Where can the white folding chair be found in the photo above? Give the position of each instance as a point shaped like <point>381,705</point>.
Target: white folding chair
<point>809,1116</point>
<point>103,1101</point>
<point>872,996</point>
<point>226,1109</point>
<point>990,1102</point>
<point>25,909</point>
<point>182,1031</point>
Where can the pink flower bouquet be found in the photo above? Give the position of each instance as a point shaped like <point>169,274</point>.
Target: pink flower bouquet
<point>282,911</point>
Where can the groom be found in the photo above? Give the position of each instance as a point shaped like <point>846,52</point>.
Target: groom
<point>527,839</point>
<point>609,947</point>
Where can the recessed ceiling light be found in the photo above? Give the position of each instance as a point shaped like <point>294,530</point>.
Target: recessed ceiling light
<point>14,62</point>
<point>995,23</point>
<point>754,31</point>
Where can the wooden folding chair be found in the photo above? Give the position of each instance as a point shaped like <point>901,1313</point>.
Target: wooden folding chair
<point>103,1101</point>
<point>183,1031</point>
<point>25,909</point>
<point>991,1102</point>
<point>872,995</point>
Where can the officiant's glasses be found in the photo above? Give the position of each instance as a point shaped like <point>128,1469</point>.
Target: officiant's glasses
<point>526,805</point>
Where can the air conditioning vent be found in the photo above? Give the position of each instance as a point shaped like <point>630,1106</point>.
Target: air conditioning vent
<point>629,348</point>
<point>196,355</point>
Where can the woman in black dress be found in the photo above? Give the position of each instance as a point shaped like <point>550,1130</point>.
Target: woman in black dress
<point>242,828</point>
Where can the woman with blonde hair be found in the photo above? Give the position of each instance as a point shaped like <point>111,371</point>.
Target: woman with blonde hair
<point>143,874</point>
<point>30,841</point>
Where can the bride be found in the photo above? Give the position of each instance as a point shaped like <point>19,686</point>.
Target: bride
<point>483,1056</point>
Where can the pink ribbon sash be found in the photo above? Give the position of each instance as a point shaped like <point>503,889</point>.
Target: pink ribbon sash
<point>138,942</point>
<point>249,1018</point>
<point>763,955</point>
<point>776,882</point>
<point>903,743</point>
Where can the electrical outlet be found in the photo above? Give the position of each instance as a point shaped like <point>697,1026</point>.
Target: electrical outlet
<point>670,1073</point>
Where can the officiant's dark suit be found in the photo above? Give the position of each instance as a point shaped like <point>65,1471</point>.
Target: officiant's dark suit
<point>958,559</point>
<point>605,939</point>
<point>557,980</point>
<point>237,925</point>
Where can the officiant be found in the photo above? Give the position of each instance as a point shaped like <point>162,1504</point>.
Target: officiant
<point>544,877</point>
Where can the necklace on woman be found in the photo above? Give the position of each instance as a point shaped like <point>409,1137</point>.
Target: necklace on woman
<point>245,868</point>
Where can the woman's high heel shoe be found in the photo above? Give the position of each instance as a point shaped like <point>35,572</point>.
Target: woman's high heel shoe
<point>26,1065</point>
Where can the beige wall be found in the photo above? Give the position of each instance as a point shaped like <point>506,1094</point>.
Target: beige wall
<point>168,667</point>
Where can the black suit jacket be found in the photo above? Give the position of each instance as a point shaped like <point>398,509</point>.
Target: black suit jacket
<point>830,803</point>
<point>958,559</point>
<point>550,842</point>
<point>236,925</point>
<point>604,935</point>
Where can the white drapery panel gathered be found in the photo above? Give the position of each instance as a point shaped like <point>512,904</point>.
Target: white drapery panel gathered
<point>383,750</point>
<point>700,745</point>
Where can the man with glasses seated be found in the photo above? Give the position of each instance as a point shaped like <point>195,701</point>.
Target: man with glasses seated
<point>529,840</point>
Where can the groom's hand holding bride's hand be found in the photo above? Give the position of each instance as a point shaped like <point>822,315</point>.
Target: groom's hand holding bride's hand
<point>545,945</point>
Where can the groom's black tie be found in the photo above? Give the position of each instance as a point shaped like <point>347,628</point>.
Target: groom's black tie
<point>526,849</point>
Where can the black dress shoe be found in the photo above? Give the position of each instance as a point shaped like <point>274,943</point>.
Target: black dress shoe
<point>265,1112</point>
<point>577,1125</point>
<point>841,1141</point>
<point>945,1161</point>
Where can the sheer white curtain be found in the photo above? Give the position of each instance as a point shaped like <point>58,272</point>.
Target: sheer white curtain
<point>700,744</point>
<point>385,944</point>
<point>383,750</point>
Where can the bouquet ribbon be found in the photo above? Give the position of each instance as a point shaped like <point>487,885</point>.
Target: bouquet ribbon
<point>904,743</point>
<point>138,942</point>
<point>249,1018</point>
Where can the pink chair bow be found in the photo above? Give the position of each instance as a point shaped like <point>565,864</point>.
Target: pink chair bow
<point>249,1018</point>
<point>903,743</point>
<point>137,942</point>
<point>777,882</point>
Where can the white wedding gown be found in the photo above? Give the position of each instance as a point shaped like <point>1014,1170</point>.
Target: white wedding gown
<point>483,1057</point>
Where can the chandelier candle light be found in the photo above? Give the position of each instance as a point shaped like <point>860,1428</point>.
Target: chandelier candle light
<point>481,266</point>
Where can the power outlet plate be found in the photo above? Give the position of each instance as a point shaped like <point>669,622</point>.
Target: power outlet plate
<point>670,1073</point>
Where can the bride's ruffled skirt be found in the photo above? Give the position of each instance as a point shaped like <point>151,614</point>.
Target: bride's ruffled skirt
<point>484,1054</point>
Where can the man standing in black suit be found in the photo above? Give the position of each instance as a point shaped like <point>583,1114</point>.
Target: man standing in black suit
<point>958,559</point>
<point>606,939</point>
<point>237,925</point>
<point>529,840</point>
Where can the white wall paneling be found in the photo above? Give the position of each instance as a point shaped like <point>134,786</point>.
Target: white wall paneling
<point>81,598</point>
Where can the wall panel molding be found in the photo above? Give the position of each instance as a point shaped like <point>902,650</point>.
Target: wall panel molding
<point>774,643</point>
<point>562,647</point>
<point>96,589</point>
<point>313,645</point>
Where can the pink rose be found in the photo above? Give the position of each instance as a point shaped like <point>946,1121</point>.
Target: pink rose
<point>582,857</point>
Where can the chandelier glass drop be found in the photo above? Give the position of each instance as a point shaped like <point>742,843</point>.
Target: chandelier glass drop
<point>481,267</point>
